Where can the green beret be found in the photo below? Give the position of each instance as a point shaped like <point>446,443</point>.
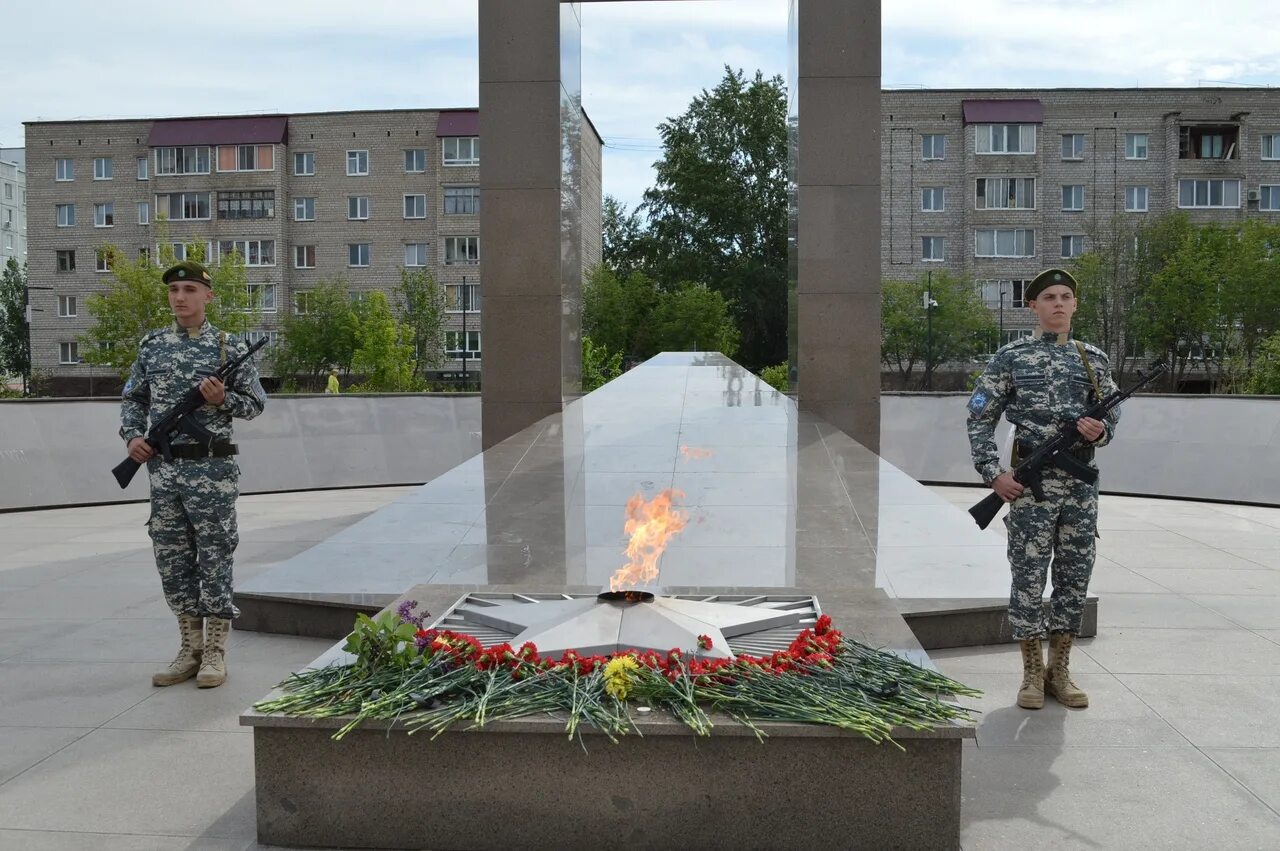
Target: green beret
<point>188,270</point>
<point>1049,278</point>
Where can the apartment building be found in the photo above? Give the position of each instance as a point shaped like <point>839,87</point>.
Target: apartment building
<point>13,205</point>
<point>997,185</point>
<point>303,198</point>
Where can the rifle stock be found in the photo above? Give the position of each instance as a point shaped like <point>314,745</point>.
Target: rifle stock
<point>986,510</point>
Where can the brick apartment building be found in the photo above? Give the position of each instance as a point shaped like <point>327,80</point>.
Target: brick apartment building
<point>303,197</point>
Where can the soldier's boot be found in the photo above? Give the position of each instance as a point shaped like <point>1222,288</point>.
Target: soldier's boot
<point>213,665</point>
<point>1057,678</point>
<point>187,662</point>
<point>1031,693</point>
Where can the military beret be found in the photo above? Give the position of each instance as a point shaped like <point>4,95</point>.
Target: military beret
<point>1049,278</point>
<point>188,270</point>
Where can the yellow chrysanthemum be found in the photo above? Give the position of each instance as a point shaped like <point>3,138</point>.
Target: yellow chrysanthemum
<point>617,676</point>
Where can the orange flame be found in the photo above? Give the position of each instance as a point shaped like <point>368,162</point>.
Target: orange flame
<point>651,526</point>
<point>692,452</point>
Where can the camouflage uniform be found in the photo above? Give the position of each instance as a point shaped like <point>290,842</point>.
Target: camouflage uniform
<point>1039,383</point>
<point>193,515</point>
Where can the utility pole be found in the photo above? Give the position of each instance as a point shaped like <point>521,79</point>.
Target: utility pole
<point>462,303</point>
<point>929,305</point>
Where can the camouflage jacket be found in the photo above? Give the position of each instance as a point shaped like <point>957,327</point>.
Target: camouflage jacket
<point>170,362</point>
<point>1038,383</point>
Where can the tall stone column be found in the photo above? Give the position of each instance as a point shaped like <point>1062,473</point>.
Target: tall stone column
<point>530,228</point>
<point>837,175</point>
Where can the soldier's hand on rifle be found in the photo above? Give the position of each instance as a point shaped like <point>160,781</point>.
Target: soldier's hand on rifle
<point>1006,487</point>
<point>1090,429</point>
<point>140,450</point>
<point>213,390</point>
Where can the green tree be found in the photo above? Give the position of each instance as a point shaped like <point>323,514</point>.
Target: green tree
<point>958,329</point>
<point>420,304</point>
<point>1108,289</point>
<point>777,377</point>
<point>383,348</point>
<point>624,239</point>
<point>1264,374</point>
<point>615,308</point>
<point>321,337</point>
<point>15,356</point>
<point>636,318</point>
<point>599,365</point>
<point>136,302</point>
<point>717,213</point>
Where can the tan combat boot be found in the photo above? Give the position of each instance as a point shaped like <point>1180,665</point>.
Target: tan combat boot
<point>187,662</point>
<point>1031,694</point>
<point>213,666</point>
<point>1057,679</point>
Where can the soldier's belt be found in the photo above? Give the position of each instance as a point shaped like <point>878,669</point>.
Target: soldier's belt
<point>1080,453</point>
<point>195,452</point>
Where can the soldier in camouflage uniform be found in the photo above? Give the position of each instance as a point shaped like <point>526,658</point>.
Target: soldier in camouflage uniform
<point>1040,383</point>
<point>193,515</point>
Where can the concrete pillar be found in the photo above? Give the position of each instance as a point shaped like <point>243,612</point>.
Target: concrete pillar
<point>837,297</point>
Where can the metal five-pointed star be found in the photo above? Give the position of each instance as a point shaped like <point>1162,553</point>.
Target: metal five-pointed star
<point>595,626</point>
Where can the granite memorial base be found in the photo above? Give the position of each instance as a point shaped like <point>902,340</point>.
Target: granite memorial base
<point>522,784</point>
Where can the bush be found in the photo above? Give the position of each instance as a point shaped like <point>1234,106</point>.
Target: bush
<point>777,377</point>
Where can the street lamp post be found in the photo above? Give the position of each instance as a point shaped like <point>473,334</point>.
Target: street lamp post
<point>929,305</point>
<point>462,303</point>
<point>26,375</point>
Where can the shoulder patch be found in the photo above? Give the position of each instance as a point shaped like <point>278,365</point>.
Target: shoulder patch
<point>978,401</point>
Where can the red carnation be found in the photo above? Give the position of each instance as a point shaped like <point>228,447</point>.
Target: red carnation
<point>704,641</point>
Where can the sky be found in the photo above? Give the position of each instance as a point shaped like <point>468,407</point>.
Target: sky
<point>642,61</point>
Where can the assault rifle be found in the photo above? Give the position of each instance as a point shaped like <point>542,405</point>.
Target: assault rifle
<point>179,420</point>
<point>1056,451</point>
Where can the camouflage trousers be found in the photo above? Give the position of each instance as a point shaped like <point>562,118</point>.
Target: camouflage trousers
<point>1059,533</point>
<point>193,533</point>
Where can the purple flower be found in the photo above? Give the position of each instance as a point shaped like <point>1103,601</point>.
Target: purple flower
<point>405,611</point>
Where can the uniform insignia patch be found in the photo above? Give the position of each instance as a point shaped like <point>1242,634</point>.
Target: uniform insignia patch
<point>978,401</point>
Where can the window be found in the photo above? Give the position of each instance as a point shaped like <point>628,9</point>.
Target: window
<point>66,261</point>
<point>144,212</point>
<point>1018,242</point>
<point>933,146</point>
<point>1135,199</point>
<point>933,249</point>
<point>8,242</point>
<point>1005,138</point>
<point>66,305</point>
<point>462,150</point>
<point>461,250</point>
<point>66,215</point>
<point>357,207</point>
<point>302,302</point>
<point>262,297</point>
<point>463,297</point>
<point>453,345</point>
<point>104,259</point>
<point>252,337</point>
<point>1209,193</point>
<point>1269,197</point>
<point>1072,246</point>
<point>304,257</point>
<point>1007,337</point>
<point>304,209</point>
<point>304,163</point>
<point>357,163</point>
<point>933,199</point>
<point>1006,193</point>
<point>104,215</point>
<point>64,170</point>
<point>182,251</point>
<point>1012,290</point>
<point>144,256</point>
<point>1271,146</point>
<point>1135,146</point>
<point>246,158</point>
<point>1208,142</point>
<point>8,191</point>
<point>144,168</point>
<point>1073,146</point>
<point>256,204</point>
<point>181,206</point>
<point>68,353</point>
<point>254,252</point>
<point>462,200</point>
<point>103,168</point>
<point>358,254</point>
<point>415,206</point>
<point>415,254</point>
<point>1073,198</point>
<point>415,160</point>
<point>189,160</point>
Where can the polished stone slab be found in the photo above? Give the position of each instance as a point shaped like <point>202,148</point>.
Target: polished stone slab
<point>774,498</point>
